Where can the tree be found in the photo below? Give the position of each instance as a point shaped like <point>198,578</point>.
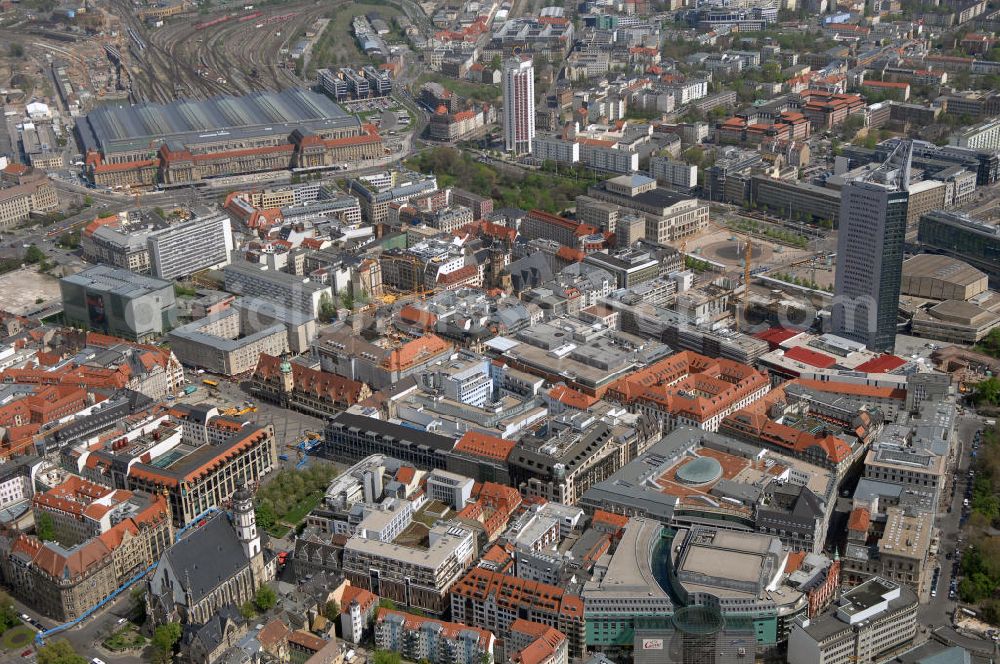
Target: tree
<point>694,156</point>
<point>138,596</point>
<point>386,603</point>
<point>88,200</point>
<point>332,610</point>
<point>347,299</point>
<point>70,240</point>
<point>990,344</point>
<point>266,516</point>
<point>46,527</point>
<point>988,391</point>
<point>771,72</point>
<point>59,652</point>
<point>326,309</point>
<point>265,599</point>
<point>386,657</point>
<point>165,637</point>
<point>34,255</point>
<point>16,50</point>
<point>8,616</point>
<point>247,610</point>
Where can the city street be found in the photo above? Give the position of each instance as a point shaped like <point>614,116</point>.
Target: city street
<point>84,637</point>
<point>936,615</point>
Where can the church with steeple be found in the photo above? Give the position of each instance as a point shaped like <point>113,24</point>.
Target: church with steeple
<point>217,564</point>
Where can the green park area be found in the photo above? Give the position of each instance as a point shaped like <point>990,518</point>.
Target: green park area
<point>549,189</point>
<point>17,637</point>
<point>284,502</point>
<point>126,638</point>
<point>467,89</point>
<point>13,634</point>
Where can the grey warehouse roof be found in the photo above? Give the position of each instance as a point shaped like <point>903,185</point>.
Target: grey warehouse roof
<point>116,280</point>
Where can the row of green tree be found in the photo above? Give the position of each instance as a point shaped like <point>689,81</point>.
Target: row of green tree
<point>796,281</point>
<point>777,234</point>
<point>980,564</point>
<point>696,264</point>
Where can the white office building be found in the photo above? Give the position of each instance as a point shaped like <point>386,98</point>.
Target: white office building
<point>183,249</point>
<point>519,105</point>
<point>868,622</point>
<point>257,280</point>
<point>449,488</point>
<point>672,174</point>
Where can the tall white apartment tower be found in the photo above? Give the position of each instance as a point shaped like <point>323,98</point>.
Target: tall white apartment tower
<point>870,253</point>
<point>518,105</point>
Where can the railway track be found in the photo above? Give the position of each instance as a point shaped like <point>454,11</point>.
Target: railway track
<point>219,59</point>
<point>185,58</point>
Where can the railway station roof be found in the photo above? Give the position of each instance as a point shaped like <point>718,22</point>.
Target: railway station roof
<point>121,128</point>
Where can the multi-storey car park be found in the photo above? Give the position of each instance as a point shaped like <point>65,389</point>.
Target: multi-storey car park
<point>188,141</point>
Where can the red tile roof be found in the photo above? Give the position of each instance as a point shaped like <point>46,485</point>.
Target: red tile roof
<point>448,629</point>
<point>572,398</point>
<point>365,598</point>
<point>775,336</point>
<point>323,385</point>
<point>881,364</point>
<point>854,389</point>
<point>306,641</point>
<point>617,521</point>
<point>810,357</point>
<point>485,445</point>
<point>860,519</point>
<point>405,474</point>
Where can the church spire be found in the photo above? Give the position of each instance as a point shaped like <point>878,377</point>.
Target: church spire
<point>245,521</point>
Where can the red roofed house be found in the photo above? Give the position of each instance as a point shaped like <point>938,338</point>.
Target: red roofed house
<point>609,522</point>
<point>480,444</point>
<point>495,602</point>
<point>78,509</point>
<point>498,558</point>
<point>357,610</point>
<point>888,89</point>
<point>568,398</point>
<point>535,643</point>
<point>494,506</point>
<point>827,110</point>
<point>859,522</point>
<point>547,226</point>
<point>301,388</point>
<point>273,639</point>
<point>690,389</point>
<point>61,580</point>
